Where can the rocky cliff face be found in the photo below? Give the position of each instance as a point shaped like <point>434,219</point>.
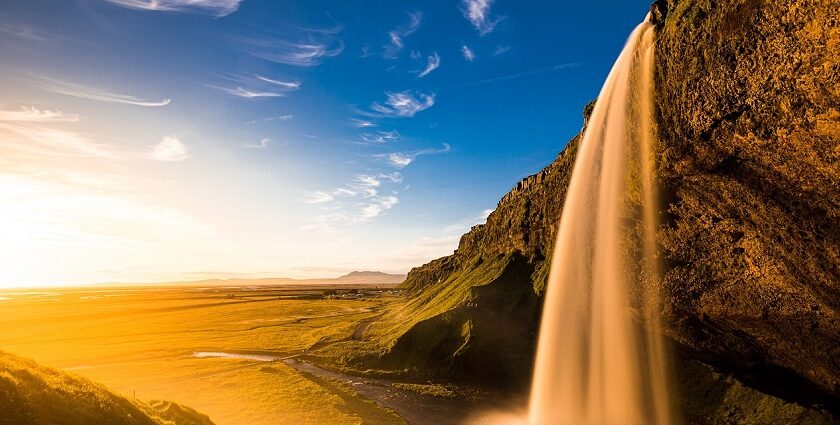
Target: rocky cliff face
<point>748,95</point>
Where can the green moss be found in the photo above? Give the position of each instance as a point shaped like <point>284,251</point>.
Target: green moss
<point>434,390</point>
<point>708,397</point>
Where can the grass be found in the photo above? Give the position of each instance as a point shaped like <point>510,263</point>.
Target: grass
<point>434,390</point>
<point>31,394</point>
<point>454,291</point>
<point>142,341</point>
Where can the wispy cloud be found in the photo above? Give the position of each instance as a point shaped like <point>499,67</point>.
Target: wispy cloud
<point>317,197</point>
<point>33,114</point>
<point>217,8</point>
<point>395,37</point>
<point>404,159</point>
<point>374,208</point>
<point>262,144</point>
<point>502,49</point>
<point>170,149</point>
<point>394,177</point>
<point>256,86</point>
<point>400,159</point>
<point>284,117</point>
<point>308,47</point>
<point>90,93</point>
<point>288,85</point>
<point>37,142</point>
<point>24,32</point>
<point>469,55</point>
<point>247,93</point>
<point>358,201</point>
<point>432,63</point>
<point>380,137</point>
<point>478,13</point>
<point>403,104</point>
<point>525,73</point>
<point>360,123</point>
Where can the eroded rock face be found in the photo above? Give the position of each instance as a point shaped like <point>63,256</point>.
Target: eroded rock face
<point>748,95</point>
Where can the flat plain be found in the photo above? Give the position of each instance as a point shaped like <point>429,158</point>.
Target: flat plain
<point>219,350</point>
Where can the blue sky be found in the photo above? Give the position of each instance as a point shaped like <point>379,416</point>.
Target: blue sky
<point>165,140</point>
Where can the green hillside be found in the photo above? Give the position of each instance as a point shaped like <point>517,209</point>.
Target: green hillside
<point>31,394</point>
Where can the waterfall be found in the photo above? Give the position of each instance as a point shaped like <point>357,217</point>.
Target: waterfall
<point>599,356</point>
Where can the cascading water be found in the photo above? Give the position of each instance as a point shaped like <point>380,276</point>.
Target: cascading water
<point>599,358</point>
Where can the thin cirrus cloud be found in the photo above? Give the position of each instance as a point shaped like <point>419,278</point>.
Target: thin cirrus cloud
<point>247,93</point>
<point>403,104</point>
<point>261,144</point>
<point>358,201</point>
<point>360,123</point>
<point>170,149</point>
<point>380,137</point>
<point>284,117</point>
<point>404,159</point>
<point>85,92</point>
<point>308,47</point>
<point>377,206</point>
<point>25,32</point>
<point>502,49</point>
<point>478,13</point>
<point>288,85</point>
<point>318,197</point>
<point>469,55</point>
<point>258,86</point>
<point>432,63</point>
<point>33,114</point>
<point>216,8</point>
<point>395,38</point>
<point>44,142</point>
<point>525,74</point>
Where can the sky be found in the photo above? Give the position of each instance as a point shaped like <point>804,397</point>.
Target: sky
<point>164,140</point>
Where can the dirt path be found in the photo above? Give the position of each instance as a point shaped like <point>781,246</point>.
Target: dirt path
<point>415,408</point>
<point>357,335</point>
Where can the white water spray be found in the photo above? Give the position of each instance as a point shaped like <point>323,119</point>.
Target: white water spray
<point>595,365</point>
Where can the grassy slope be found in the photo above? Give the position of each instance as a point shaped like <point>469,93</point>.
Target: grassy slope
<point>31,394</point>
<point>472,321</point>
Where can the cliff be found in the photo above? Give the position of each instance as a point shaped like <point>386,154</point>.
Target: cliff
<point>748,95</point>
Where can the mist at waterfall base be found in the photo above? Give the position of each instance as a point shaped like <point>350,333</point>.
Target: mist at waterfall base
<point>599,356</point>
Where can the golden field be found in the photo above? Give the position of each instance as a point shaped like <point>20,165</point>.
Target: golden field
<point>143,343</point>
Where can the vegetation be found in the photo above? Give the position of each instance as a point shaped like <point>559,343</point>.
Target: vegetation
<point>434,390</point>
<point>31,394</point>
<point>142,341</point>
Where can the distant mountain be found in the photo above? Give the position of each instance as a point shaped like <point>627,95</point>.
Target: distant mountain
<point>352,278</point>
<point>372,277</point>
<point>31,394</point>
